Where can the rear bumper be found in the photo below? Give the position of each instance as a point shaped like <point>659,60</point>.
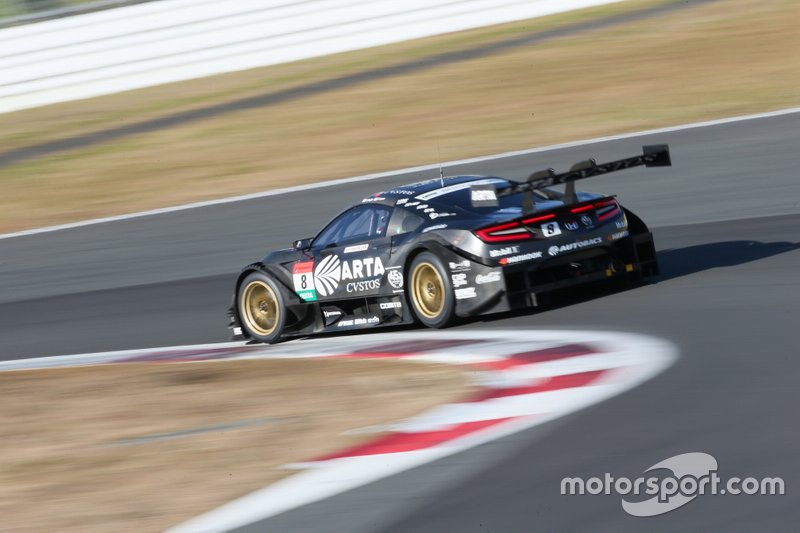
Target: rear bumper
<point>632,258</point>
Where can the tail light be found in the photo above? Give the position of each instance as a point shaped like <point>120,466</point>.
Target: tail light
<point>606,209</point>
<point>541,218</point>
<point>511,231</point>
<point>582,208</point>
<point>516,231</point>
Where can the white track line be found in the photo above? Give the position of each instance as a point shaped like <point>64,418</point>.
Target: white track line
<point>379,175</point>
<point>645,357</point>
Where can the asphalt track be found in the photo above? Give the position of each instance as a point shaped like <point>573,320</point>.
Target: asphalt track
<point>726,219</point>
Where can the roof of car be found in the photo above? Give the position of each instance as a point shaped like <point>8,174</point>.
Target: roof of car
<point>413,190</point>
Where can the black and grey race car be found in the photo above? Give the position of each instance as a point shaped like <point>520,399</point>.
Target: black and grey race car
<point>433,251</point>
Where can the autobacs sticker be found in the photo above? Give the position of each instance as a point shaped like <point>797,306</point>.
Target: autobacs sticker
<point>555,250</point>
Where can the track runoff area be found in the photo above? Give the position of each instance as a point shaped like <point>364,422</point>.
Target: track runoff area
<point>520,379</point>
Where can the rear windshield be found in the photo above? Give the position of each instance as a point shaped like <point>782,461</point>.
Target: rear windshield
<point>459,196</point>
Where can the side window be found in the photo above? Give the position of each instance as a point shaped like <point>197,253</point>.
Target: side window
<point>380,221</point>
<point>358,224</point>
<point>404,221</point>
<point>330,233</point>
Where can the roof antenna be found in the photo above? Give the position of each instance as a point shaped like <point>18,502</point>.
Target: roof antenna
<point>441,170</point>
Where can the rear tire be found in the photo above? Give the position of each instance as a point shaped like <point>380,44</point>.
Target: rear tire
<point>262,312</point>
<point>430,291</point>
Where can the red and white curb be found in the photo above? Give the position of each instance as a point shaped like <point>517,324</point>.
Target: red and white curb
<point>524,378</point>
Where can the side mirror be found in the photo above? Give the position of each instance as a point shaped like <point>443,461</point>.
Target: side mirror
<point>302,244</point>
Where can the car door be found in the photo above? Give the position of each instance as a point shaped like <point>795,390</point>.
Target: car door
<point>350,254</point>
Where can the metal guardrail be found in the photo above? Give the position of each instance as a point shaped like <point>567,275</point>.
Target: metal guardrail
<point>164,41</point>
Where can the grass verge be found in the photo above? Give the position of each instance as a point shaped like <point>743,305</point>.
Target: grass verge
<point>143,447</point>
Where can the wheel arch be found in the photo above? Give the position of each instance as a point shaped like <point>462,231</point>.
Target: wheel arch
<point>429,246</point>
<point>443,255</point>
<point>297,310</point>
<point>635,224</point>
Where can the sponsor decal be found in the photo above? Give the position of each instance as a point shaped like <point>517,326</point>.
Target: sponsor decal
<point>372,319</point>
<point>460,266</point>
<point>327,275</point>
<point>332,314</point>
<point>555,250</point>
<point>401,201</point>
<point>331,271</point>
<point>391,305</point>
<point>621,223</point>
<point>356,248</point>
<point>459,280</point>
<point>586,220</point>
<point>458,187</point>
<point>434,216</point>
<point>400,191</point>
<point>483,195</point>
<point>466,292</point>
<point>362,268</point>
<point>520,258</point>
<point>508,250</point>
<point>395,278</point>
<point>618,235</point>
<point>432,228</point>
<point>429,210</point>
<point>373,199</point>
<point>303,280</point>
<point>551,229</point>
<point>422,206</point>
<point>412,204</point>
<point>491,277</point>
<point>571,225</point>
<point>366,285</point>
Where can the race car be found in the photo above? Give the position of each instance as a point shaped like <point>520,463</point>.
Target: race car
<point>434,251</point>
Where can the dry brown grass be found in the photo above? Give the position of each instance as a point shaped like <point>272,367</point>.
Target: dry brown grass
<point>720,59</point>
<point>60,469</point>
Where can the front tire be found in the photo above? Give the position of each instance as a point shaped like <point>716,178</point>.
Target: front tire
<point>430,291</point>
<point>262,312</point>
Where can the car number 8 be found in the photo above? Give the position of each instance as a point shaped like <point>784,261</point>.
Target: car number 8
<point>550,229</point>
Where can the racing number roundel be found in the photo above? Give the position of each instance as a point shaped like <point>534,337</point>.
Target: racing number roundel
<point>551,229</point>
<point>303,279</point>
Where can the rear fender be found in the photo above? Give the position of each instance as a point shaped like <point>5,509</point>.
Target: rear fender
<point>478,288</point>
<point>644,247</point>
<point>635,224</point>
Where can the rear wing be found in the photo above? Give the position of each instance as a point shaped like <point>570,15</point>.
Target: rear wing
<point>486,195</point>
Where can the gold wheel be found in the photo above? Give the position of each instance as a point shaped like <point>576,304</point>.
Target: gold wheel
<point>427,289</point>
<point>259,308</point>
